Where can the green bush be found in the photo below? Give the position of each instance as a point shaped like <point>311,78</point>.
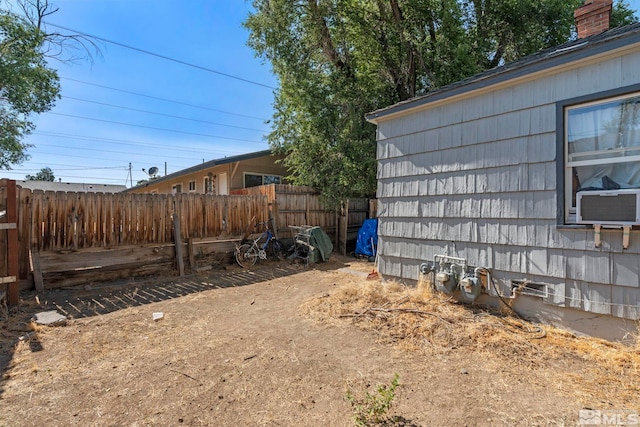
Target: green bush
<point>374,407</point>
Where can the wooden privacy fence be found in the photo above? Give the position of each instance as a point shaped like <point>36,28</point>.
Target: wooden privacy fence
<point>8,242</point>
<point>295,205</point>
<point>72,238</point>
<point>70,221</point>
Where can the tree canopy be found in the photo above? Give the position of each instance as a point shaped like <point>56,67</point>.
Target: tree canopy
<point>336,60</point>
<point>27,85</point>
<point>45,174</point>
<point>144,181</point>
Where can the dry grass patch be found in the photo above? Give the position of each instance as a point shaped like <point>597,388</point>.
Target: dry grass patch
<point>594,371</point>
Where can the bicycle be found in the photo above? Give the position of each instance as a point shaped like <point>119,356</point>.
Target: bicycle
<point>247,254</point>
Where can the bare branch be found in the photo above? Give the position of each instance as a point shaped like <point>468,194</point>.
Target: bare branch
<point>378,311</point>
<point>65,48</point>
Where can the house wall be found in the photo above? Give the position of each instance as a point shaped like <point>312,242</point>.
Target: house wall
<point>235,176</point>
<point>475,177</point>
<point>261,165</point>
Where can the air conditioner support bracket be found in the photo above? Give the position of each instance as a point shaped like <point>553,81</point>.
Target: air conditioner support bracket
<point>626,230</point>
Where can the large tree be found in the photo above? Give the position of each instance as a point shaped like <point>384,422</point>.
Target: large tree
<point>336,60</point>
<point>27,84</point>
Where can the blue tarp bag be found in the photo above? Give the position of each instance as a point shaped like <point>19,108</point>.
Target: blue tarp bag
<point>367,238</point>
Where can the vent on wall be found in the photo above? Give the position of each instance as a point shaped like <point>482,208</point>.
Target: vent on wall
<point>609,207</point>
<point>523,287</point>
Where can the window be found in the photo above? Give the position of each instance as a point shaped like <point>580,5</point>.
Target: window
<point>601,144</point>
<point>192,186</point>
<point>253,179</point>
<point>176,189</point>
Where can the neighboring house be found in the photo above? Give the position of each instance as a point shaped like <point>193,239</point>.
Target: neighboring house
<point>71,187</point>
<point>491,171</point>
<point>220,176</point>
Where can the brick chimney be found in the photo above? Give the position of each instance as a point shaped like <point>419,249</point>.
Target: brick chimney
<point>593,17</point>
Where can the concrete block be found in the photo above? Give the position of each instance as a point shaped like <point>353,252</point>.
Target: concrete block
<point>49,318</point>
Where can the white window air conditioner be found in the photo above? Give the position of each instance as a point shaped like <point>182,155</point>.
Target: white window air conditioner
<point>609,207</point>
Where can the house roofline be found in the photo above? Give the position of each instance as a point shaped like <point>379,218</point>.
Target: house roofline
<point>546,59</point>
<point>203,166</point>
<point>69,186</point>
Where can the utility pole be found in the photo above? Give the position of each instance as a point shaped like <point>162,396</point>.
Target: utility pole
<point>130,175</point>
<point>165,168</point>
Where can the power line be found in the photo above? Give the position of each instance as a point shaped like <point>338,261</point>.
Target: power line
<point>161,114</point>
<point>155,128</point>
<point>168,58</point>
<point>163,99</point>
<point>65,165</point>
<point>74,176</point>
<point>174,165</point>
<point>25,170</point>
<point>128,153</point>
<point>145,155</point>
<point>129,143</point>
<point>92,177</point>
<point>36,169</point>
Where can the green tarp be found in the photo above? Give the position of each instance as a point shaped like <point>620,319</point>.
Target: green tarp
<point>321,243</point>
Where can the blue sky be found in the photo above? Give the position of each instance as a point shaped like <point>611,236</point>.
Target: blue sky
<point>207,33</point>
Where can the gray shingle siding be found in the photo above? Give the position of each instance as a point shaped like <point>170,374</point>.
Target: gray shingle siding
<point>476,178</point>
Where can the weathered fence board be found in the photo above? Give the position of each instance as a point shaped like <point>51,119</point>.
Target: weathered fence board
<point>295,205</point>
<point>99,264</point>
<point>62,227</point>
<point>4,269</point>
<point>64,221</point>
<point>13,249</point>
<point>69,223</point>
<point>23,239</point>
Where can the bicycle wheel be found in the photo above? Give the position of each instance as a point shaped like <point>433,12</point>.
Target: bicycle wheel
<point>277,249</point>
<point>246,255</point>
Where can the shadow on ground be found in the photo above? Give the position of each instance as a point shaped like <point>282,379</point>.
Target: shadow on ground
<point>102,298</point>
<point>99,299</point>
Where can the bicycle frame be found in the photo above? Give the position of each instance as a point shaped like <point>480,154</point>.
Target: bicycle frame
<point>269,236</point>
<point>249,251</point>
<point>262,248</point>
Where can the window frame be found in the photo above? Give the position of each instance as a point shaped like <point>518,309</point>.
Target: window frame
<point>193,181</point>
<point>563,179</point>
<point>173,188</point>
<point>262,176</point>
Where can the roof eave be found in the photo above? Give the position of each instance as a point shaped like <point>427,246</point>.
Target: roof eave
<point>578,50</point>
<point>204,166</point>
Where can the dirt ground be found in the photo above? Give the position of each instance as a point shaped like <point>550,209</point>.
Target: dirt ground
<point>281,344</point>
